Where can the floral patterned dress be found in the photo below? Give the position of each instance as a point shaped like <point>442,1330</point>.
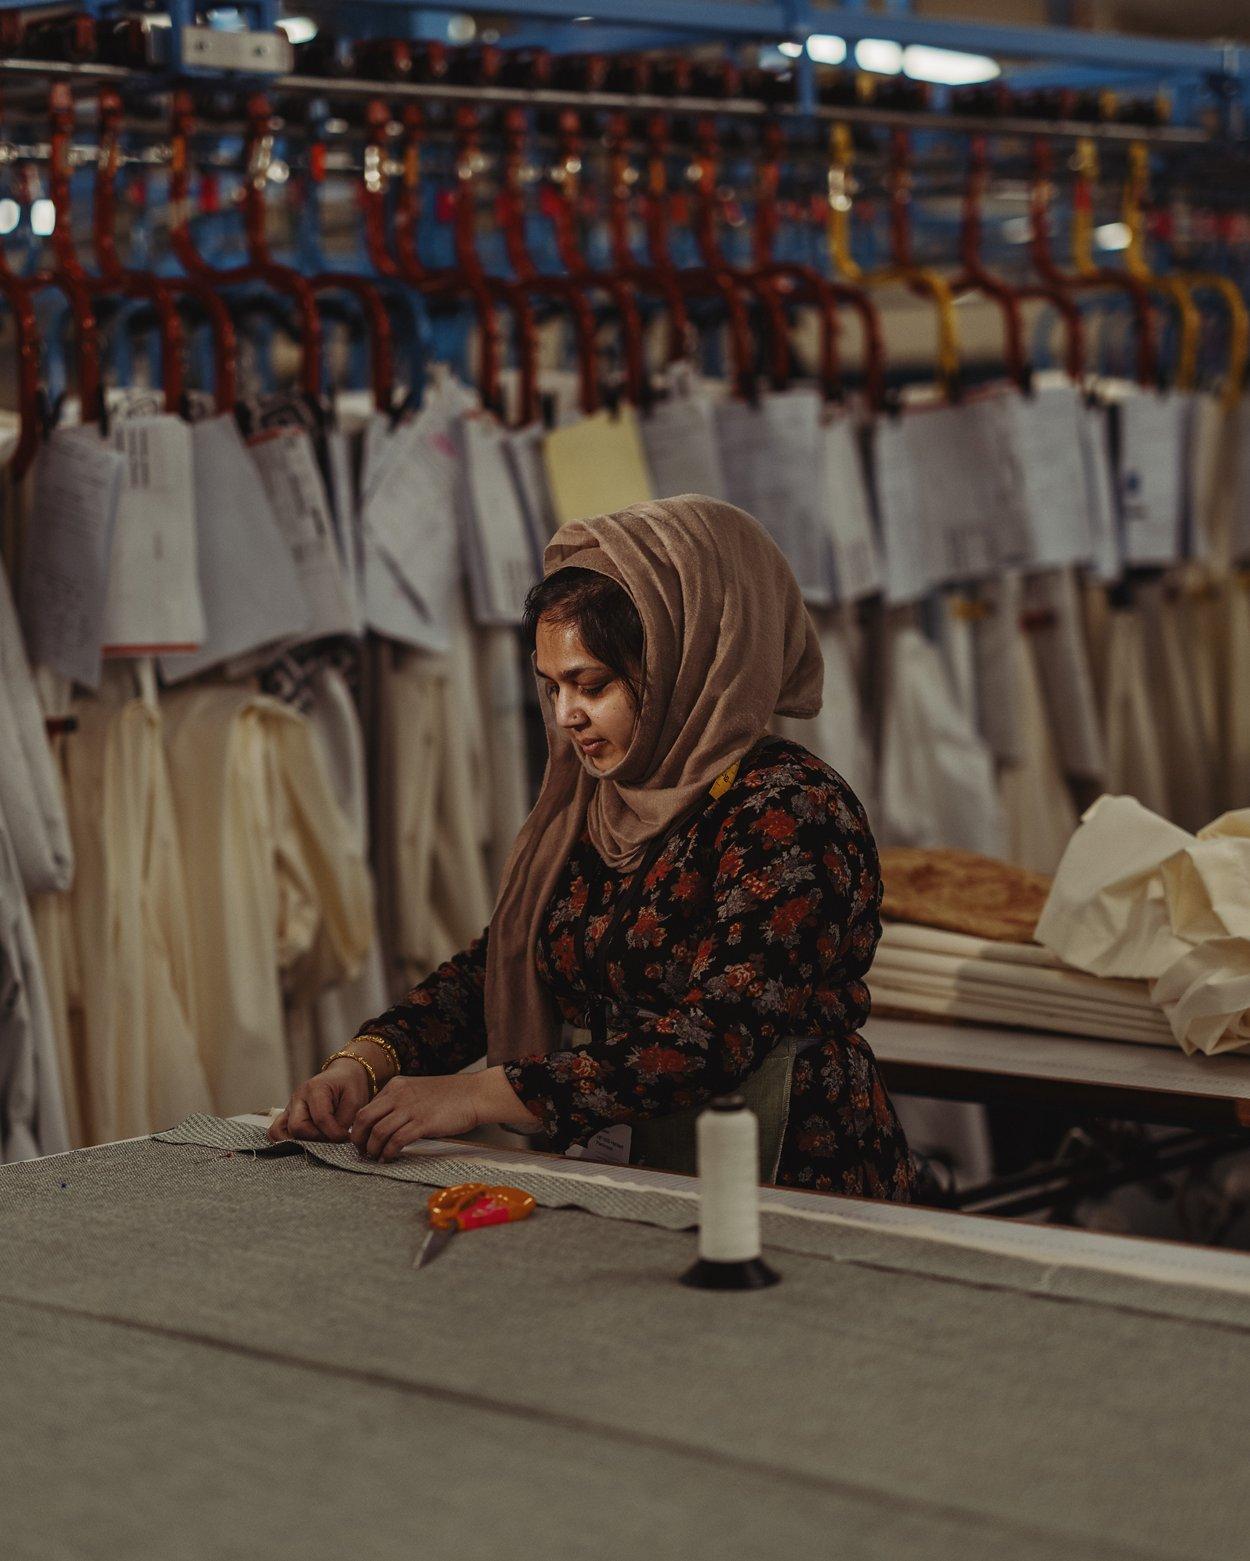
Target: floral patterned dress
<point>757,921</point>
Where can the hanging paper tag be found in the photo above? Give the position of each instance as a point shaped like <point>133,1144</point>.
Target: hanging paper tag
<point>248,578</point>
<point>1046,437</point>
<point>410,519</point>
<point>288,468</point>
<point>64,581</point>
<point>524,450</point>
<point>153,601</point>
<point>609,1146</point>
<point>847,512</point>
<point>679,436</point>
<point>499,552</point>
<point>909,540</point>
<point>1151,478</point>
<point>772,470</point>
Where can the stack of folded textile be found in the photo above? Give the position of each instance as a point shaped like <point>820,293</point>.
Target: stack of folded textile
<point>957,943</point>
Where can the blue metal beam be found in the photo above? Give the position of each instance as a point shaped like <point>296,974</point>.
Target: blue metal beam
<point>1040,78</point>
<point>761,19</point>
<point>594,39</point>
<point>716,17</point>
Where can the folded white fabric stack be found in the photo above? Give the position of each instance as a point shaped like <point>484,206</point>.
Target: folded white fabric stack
<point>924,970</point>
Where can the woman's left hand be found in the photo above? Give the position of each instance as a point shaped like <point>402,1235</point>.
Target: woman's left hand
<point>408,1108</point>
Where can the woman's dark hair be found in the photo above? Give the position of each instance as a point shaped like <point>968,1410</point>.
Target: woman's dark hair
<point>603,614</point>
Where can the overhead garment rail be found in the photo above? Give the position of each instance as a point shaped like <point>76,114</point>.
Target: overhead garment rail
<point>1212,74</point>
<point>746,224</point>
<point>118,51</point>
<point>1218,71</point>
<point>479,177</point>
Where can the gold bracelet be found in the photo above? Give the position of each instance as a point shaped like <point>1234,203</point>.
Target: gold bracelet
<point>355,1057</point>
<point>385,1045</point>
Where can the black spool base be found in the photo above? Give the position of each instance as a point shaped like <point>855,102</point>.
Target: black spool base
<point>751,1273</point>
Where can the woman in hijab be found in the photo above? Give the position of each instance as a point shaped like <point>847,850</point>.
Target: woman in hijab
<point>701,897</point>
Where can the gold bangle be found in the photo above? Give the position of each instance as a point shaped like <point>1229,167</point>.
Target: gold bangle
<point>355,1057</point>
<point>385,1045</point>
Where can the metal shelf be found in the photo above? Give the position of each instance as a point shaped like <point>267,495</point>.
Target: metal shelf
<point>38,72</point>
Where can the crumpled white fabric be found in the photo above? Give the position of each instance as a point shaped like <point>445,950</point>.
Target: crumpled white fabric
<point>1136,896</point>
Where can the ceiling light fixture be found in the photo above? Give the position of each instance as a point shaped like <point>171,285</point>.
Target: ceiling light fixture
<point>880,55</point>
<point>42,218</point>
<point>298,29</point>
<point>948,67</point>
<point>826,48</point>
<point>1113,235</point>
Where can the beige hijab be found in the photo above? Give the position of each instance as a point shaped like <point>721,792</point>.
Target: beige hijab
<point>727,644</point>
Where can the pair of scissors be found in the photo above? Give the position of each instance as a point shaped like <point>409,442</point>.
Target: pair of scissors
<point>466,1207</point>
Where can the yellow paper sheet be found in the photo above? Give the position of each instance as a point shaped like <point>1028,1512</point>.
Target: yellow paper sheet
<point>597,465</point>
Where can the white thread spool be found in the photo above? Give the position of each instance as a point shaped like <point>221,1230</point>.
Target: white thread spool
<point>727,1136</point>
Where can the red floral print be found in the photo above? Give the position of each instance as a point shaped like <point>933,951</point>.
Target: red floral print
<point>686,887</point>
<point>758,921</point>
<point>652,1061</point>
<point>776,825</point>
<point>647,930</point>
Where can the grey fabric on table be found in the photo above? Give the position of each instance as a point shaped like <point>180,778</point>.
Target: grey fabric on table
<point>433,1170</point>
<point>215,1350</point>
<point>563,1186</point>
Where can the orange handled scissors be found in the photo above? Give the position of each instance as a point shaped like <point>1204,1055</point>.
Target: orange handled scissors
<point>466,1207</point>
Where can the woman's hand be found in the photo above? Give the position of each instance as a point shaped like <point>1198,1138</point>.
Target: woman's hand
<point>326,1105</point>
<point>407,1108</point>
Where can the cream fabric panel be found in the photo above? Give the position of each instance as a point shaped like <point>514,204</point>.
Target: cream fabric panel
<point>956,639</point>
<point>994,628</point>
<point>432,815</point>
<point>136,1008</point>
<point>1134,759</point>
<point>1172,668</point>
<point>58,955</point>
<point>409,714</point>
<point>501,701</point>
<point>1037,805</point>
<point>1233,706</point>
<point>279,875</point>
<point>336,1013</point>
<point>1056,629</point>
